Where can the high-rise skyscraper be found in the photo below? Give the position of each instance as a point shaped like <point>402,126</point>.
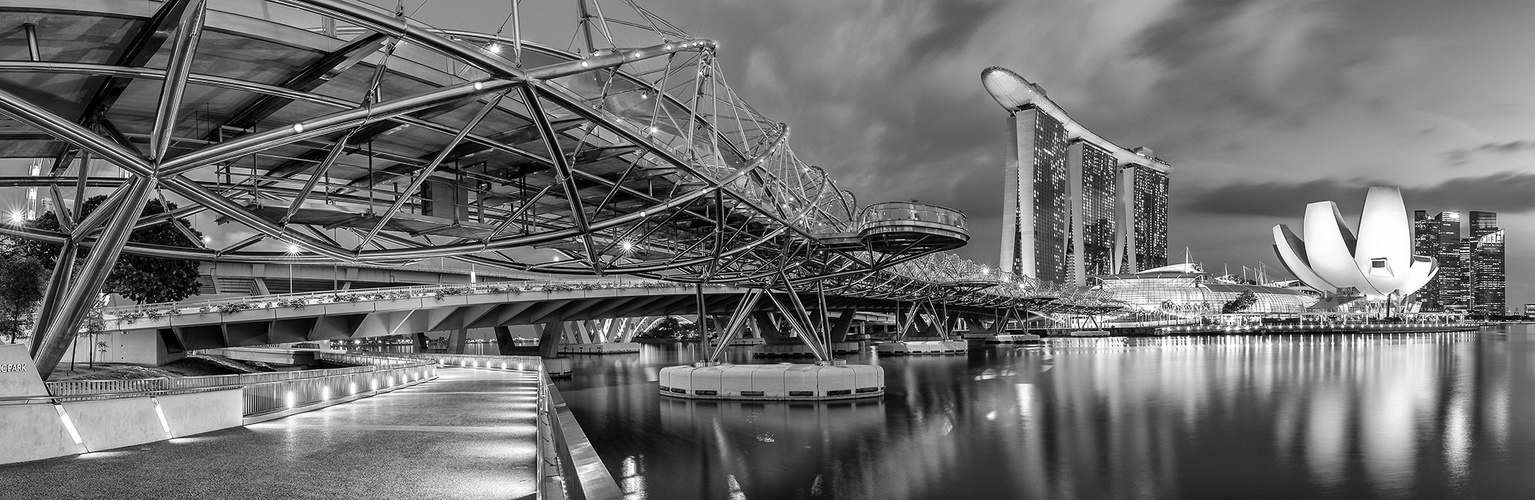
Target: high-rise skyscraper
<point>1035,229</point>
<point>1432,237</point>
<point>1075,205</point>
<point>1471,268</point>
<point>1094,187</point>
<point>1148,204</point>
<point>1484,265</point>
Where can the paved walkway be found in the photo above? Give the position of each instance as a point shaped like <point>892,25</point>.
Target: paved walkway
<point>468,434</point>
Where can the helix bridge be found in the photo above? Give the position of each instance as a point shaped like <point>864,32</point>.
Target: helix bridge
<point>320,131</point>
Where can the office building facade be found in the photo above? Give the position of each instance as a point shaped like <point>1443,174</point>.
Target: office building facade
<point>1148,202</point>
<point>1094,185</point>
<point>1075,205</point>
<point>1034,228</point>
<point>1472,277</point>
<point>1486,282</point>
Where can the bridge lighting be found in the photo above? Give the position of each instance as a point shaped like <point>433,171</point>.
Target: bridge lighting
<point>298,128</point>
<point>628,247</point>
<point>207,239</point>
<point>292,249</point>
<point>479,85</point>
<point>644,95</point>
<point>161,413</point>
<point>68,424</point>
<point>17,218</point>
<point>584,64</point>
<point>495,48</point>
<point>655,129</point>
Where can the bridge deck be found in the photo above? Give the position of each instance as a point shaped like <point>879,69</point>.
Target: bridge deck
<point>469,434</point>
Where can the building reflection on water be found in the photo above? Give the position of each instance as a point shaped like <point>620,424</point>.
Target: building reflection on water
<point>1284,416</point>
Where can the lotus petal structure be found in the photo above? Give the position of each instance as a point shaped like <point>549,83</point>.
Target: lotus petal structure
<point>1378,262</point>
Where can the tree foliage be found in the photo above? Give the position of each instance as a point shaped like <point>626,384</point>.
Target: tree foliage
<point>668,328</point>
<point>1243,301</point>
<point>139,278</point>
<point>21,288</point>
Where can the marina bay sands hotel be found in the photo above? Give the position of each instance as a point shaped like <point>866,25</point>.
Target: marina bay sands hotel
<point>1076,205</point>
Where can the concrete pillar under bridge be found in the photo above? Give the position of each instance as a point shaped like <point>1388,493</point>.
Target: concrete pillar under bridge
<point>504,340</point>
<point>455,342</point>
<point>780,343</point>
<point>610,336</point>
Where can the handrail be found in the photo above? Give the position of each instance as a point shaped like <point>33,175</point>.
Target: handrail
<point>369,364</point>
<point>14,400</point>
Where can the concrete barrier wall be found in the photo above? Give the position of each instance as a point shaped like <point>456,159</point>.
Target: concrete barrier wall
<point>33,432</point>
<point>190,414</point>
<point>115,423</point>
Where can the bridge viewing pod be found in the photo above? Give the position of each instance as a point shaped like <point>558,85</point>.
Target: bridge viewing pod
<point>903,227</point>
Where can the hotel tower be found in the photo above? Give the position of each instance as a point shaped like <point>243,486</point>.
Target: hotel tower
<point>1075,204</point>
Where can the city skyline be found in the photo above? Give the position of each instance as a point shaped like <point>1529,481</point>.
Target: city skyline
<point>1262,107</point>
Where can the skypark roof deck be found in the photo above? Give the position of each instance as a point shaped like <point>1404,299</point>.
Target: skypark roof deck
<point>1014,92</point>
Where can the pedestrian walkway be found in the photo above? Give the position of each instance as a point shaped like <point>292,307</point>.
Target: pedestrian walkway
<point>469,434</point>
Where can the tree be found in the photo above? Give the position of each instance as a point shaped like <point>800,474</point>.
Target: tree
<point>21,288</point>
<point>139,278</point>
<point>668,328</point>
<point>1243,301</point>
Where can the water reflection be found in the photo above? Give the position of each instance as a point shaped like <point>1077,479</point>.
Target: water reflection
<point>1286,416</point>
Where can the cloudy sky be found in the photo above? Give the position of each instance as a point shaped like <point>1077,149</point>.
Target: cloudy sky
<point>1261,107</point>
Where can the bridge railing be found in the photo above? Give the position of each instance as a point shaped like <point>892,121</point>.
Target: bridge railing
<point>272,390</point>
<point>131,313</point>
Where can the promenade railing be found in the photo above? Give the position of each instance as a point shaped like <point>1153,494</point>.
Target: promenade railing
<point>271,391</point>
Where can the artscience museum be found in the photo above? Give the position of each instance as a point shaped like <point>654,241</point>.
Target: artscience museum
<point>1375,264</point>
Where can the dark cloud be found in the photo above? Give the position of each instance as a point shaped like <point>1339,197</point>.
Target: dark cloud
<point>1233,65</point>
<point>1186,32</point>
<point>1462,156</point>
<point>1267,198</point>
<point>956,23</point>
<point>1511,192</point>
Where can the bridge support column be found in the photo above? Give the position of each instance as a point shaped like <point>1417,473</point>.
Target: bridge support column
<point>54,338</point>
<point>918,326</point>
<point>457,340</point>
<point>420,341</point>
<point>549,337</point>
<point>768,326</point>
<point>504,342</point>
<point>844,323</point>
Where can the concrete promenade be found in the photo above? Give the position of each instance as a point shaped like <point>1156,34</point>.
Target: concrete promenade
<point>469,434</point>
